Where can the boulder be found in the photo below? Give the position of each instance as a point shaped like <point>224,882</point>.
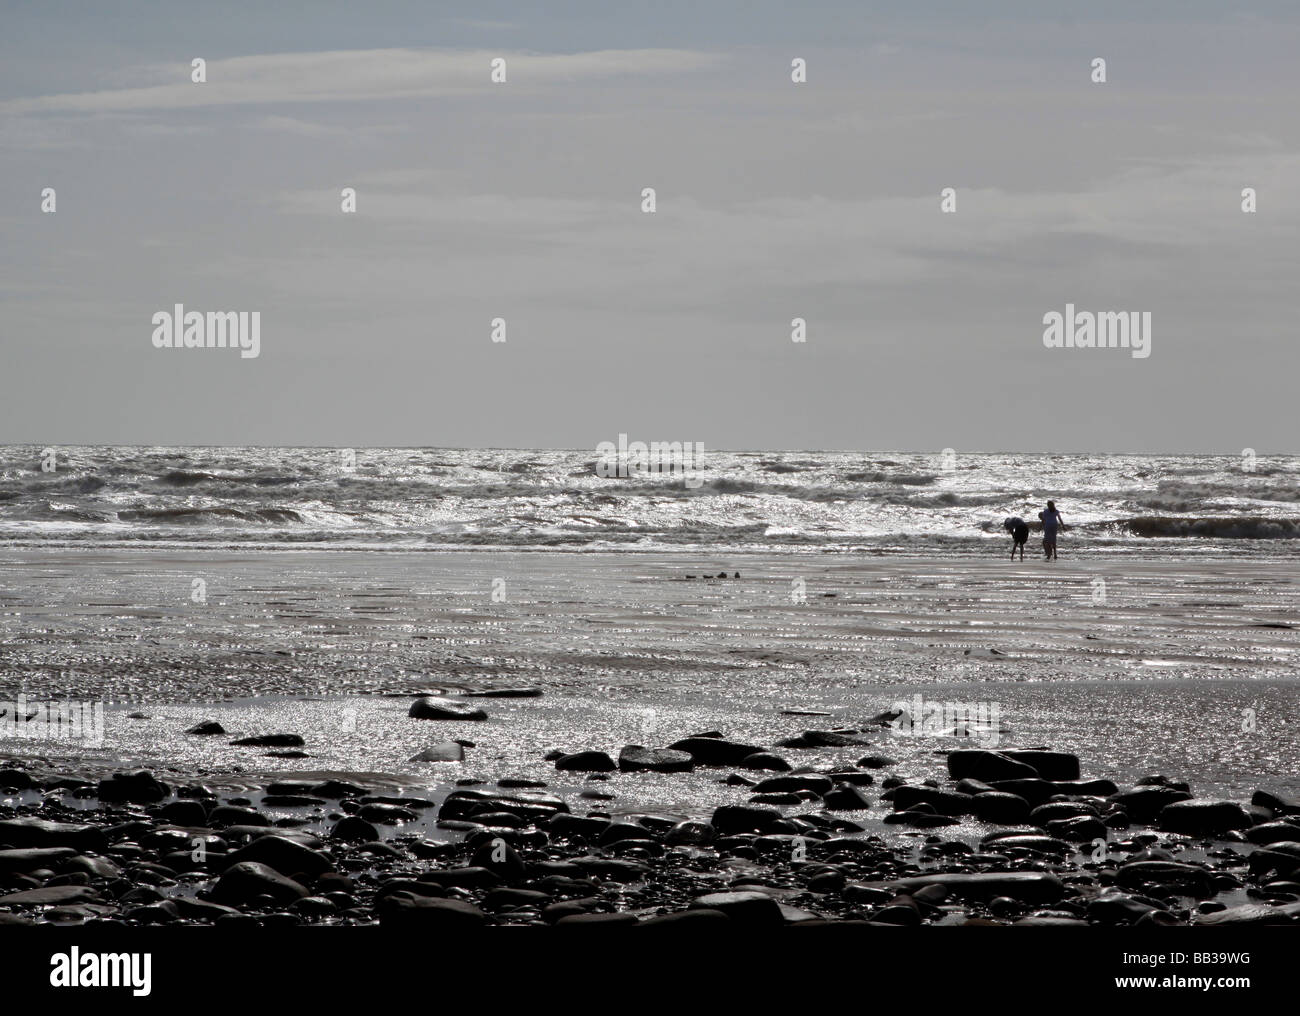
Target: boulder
<point>586,762</point>
<point>247,880</point>
<point>635,758</point>
<point>987,766</point>
<point>715,751</point>
<point>432,707</point>
<point>754,909</point>
<point>445,751</point>
<point>1203,818</point>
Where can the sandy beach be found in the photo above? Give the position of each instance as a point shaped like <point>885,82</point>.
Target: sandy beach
<point>644,649</point>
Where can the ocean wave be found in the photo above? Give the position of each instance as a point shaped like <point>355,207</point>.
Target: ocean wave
<point>217,513</point>
<point>1253,527</point>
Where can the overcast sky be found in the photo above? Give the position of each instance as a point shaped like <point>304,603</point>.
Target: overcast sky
<point>775,200</point>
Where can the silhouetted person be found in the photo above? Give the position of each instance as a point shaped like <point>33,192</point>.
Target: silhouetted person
<point>1019,530</point>
<point>1051,522</point>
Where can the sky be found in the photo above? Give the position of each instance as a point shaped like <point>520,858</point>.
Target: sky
<point>522,201</point>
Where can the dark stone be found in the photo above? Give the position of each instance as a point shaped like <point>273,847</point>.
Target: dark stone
<point>700,917</point>
<point>715,751</point>
<point>765,760</point>
<point>284,855</point>
<point>635,758</point>
<point>34,858</point>
<point>945,802</point>
<point>414,913</point>
<point>988,766</point>
<point>1203,818</point>
<point>815,782</point>
<point>1026,886</point>
<point>586,762</point>
<point>206,729</point>
<point>1036,792</point>
<point>48,896</point>
<point>846,798</point>
<point>431,707</point>
<point>1136,874</point>
<point>530,692</point>
<point>38,832</point>
<point>1051,765</point>
<point>270,741</point>
<point>1144,803</point>
<point>730,819</point>
<point>824,739</point>
<point>137,788</point>
<point>750,908</point>
<point>1080,829</point>
<point>1000,808</point>
<point>876,762</point>
<point>244,882</point>
<point>16,779</point>
<point>354,829</point>
<point>1273,832</point>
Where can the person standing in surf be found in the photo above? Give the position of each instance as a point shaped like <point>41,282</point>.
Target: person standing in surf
<point>1051,519</point>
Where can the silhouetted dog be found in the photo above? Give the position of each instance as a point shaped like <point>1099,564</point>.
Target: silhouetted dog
<point>1019,531</point>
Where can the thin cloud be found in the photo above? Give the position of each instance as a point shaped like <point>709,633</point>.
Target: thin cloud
<point>357,75</point>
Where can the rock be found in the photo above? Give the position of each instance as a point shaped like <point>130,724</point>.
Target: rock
<point>846,798</point>
<point>1138,874</point>
<point>715,751</point>
<point>876,762</point>
<point>463,878</point>
<point>1027,886</point>
<point>1038,844</point>
<point>1000,808</point>
<point>16,779</point>
<point>765,760</point>
<point>334,790</point>
<point>1036,792</point>
<point>184,813</point>
<point>730,819</point>
<point>354,829</point>
<point>387,814</point>
<point>622,919</point>
<point>1118,908</point>
<point>749,908</point>
<point>1276,803</point>
<point>945,802</point>
<point>1144,803</point>
<point>1273,832</point>
<point>988,766</point>
<point>432,707</point>
<point>49,896</point>
<point>815,782</point>
<point>634,758</point>
<point>1085,788</point>
<point>446,751</point>
<point>824,739</point>
<point>284,855</point>
<point>234,815</point>
<point>206,729</point>
<point>1080,829</point>
<point>34,858</point>
<point>38,832</point>
<point>1250,913</point>
<point>1203,818</point>
<point>241,883</point>
<point>689,833</point>
<point>270,741</point>
<point>586,762</point>
<point>136,788</point>
<point>700,917</point>
<point>529,692</point>
<point>414,913</point>
<point>1050,765</point>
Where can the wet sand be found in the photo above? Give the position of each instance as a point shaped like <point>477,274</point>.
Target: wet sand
<point>1188,666</point>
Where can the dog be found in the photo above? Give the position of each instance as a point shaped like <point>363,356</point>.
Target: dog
<point>1019,530</point>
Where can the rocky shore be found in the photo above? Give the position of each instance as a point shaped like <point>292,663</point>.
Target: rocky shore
<point>1060,850</point>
